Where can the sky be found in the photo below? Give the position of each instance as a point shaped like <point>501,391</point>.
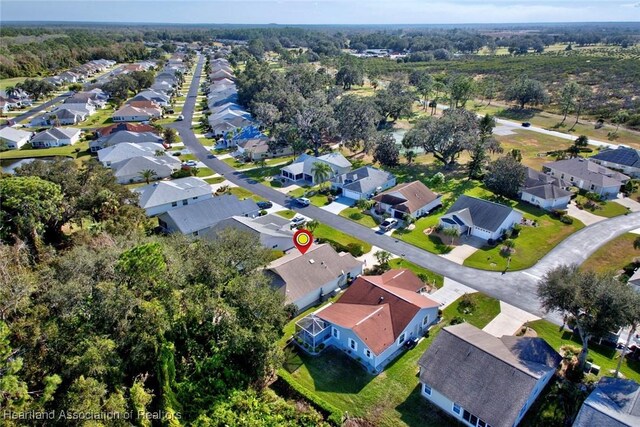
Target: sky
<point>321,11</point>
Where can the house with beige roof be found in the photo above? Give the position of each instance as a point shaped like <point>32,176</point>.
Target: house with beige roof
<point>373,319</point>
<point>129,113</point>
<point>325,272</point>
<point>411,198</point>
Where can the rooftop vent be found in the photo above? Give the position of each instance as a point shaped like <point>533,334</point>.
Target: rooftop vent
<point>311,261</point>
<point>381,299</point>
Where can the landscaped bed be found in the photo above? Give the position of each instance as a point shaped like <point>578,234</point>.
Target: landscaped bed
<point>477,309</point>
<point>357,215</point>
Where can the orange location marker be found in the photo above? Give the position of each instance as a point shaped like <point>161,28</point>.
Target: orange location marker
<point>303,240</point>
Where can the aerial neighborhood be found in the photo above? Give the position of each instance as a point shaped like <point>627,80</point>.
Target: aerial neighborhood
<point>336,227</point>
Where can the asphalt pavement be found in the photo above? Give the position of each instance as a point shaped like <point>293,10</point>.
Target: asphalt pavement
<point>515,288</point>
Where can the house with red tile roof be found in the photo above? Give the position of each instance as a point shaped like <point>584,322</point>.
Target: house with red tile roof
<point>373,319</point>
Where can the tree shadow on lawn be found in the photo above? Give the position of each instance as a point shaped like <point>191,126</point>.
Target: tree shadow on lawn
<point>332,371</point>
<point>515,113</point>
<point>418,411</point>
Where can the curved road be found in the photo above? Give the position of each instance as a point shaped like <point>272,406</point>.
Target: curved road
<point>515,288</point>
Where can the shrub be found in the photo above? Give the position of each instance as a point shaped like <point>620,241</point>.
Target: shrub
<point>437,179</point>
<point>263,212</point>
<point>287,385</point>
<point>491,242</point>
<point>566,220</point>
<point>181,173</point>
<point>355,249</point>
<point>456,320</point>
<point>515,232</point>
<point>466,304</point>
<point>356,216</point>
<point>321,346</point>
<point>510,243</point>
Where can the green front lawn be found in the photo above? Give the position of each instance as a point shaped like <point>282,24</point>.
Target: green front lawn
<point>323,231</point>
<point>215,180</point>
<point>242,193</point>
<point>288,214</point>
<point>613,255</point>
<point>79,151</point>
<point>204,172</point>
<point>418,238</point>
<point>531,245</point>
<point>433,279</point>
<point>606,209</point>
<point>603,356</point>
<point>484,310</point>
<point>390,399</point>
<point>317,199</point>
<point>357,215</point>
<point>101,118</point>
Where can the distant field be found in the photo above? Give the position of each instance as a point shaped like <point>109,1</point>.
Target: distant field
<point>5,83</point>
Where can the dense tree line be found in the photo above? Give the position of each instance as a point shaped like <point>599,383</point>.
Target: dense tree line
<point>104,318</point>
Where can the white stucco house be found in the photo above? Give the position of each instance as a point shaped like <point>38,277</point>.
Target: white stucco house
<point>480,218</point>
<point>56,137</point>
<point>363,182</point>
<point>163,196</point>
<point>411,198</point>
<point>273,231</point>
<point>302,167</point>
<point>587,175</point>
<point>14,139</point>
<point>482,380</point>
<point>545,191</point>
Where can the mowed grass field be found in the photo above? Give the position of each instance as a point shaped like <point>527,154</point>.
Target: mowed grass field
<point>613,255</point>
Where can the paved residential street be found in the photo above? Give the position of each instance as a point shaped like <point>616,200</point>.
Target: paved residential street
<point>515,288</point>
<point>32,112</point>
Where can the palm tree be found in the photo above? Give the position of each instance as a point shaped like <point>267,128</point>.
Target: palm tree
<point>159,153</point>
<point>148,175</point>
<point>410,156</point>
<point>451,232</point>
<point>11,91</point>
<point>321,172</point>
<point>312,225</point>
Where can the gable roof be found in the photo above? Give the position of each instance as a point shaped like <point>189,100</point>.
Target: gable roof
<point>128,150</point>
<point>379,308</point>
<point>129,110</point>
<point>615,402</point>
<point>132,127</point>
<point>128,136</point>
<point>536,178</point>
<point>363,180</point>
<point>483,213</point>
<point>270,225</point>
<point>55,134</point>
<point>589,171</point>
<point>621,156</point>
<point>407,197</point>
<point>164,192</point>
<point>321,264</point>
<point>207,213</point>
<point>304,163</point>
<point>13,135</point>
<point>490,377</point>
<point>135,165</point>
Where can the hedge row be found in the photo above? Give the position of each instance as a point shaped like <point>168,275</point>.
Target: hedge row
<point>288,387</point>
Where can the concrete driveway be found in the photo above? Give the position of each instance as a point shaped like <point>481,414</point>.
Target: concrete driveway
<point>463,251</point>
<point>628,203</point>
<point>449,292</point>
<point>338,205</point>
<point>509,321</point>
<point>582,215</point>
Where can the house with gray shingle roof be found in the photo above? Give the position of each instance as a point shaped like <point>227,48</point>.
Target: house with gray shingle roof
<point>480,218</point>
<point>163,196</point>
<point>410,198</point>
<point>325,271</point>
<point>273,231</point>
<point>624,159</point>
<point>197,219</point>
<point>127,150</point>
<point>545,191</point>
<point>482,380</point>
<point>122,137</point>
<point>615,402</point>
<point>129,170</point>
<point>55,137</point>
<point>363,182</point>
<point>12,138</point>
<point>588,176</point>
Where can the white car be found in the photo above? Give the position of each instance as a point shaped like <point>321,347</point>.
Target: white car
<point>297,221</point>
<point>303,201</point>
<point>388,224</point>
<point>180,118</point>
<point>191,163</point>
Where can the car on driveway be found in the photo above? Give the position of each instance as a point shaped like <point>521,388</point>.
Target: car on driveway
<point>264,204</point>
<point>180,118</point>
<point>388,224</point>
<point>298,221</point>
<point>303,201</point>
<point>526,124</point>
<point>191,163</point>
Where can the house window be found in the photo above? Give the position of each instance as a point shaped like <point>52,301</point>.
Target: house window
<point>174,204</point>
<point>335,333</point>
<point>401,339</point>
<point>425,321</point>
<point>185,202</point>
<point>456,408</point>
<point>426,389</point>
<point>195,233</point>
<point>195,198</point>
<point>367,353</point>
<point>353,345</point>
<point>593,186</point>
<point>470,418</point>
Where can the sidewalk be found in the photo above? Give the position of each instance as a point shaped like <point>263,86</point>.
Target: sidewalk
<point>449,292</point>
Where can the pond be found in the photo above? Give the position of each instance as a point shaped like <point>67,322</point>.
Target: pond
<point>10,165</point>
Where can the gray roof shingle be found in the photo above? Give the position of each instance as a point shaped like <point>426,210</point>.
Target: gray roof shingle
<point>490,377</point>
<point>207,213</point>
<point>485,214</point>
<point>363,180</point>
<point>615,402</point>
<point>164,192</point>
<point>589,171</point>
